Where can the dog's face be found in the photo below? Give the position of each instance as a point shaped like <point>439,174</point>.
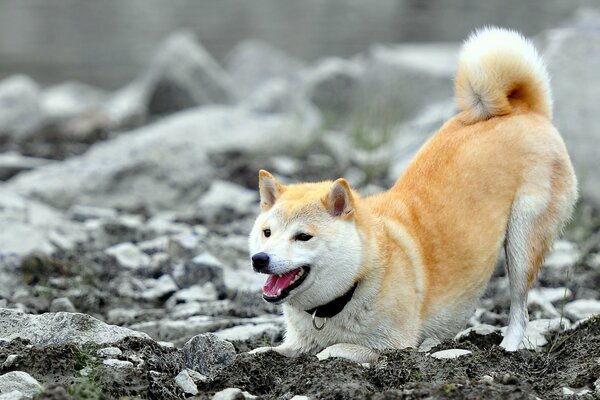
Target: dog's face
<point>306,240</point>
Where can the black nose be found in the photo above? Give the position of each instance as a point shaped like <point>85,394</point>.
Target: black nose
<point>260,261</point>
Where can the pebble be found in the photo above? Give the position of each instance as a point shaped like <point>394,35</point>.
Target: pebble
<point>233,394</point>
<point>428,344</point>
<point>10,361</point>
<point>114,363</point>
<point>486,379</point>
<point>110,352</point>
<point>481,329</point>
<point>583,308</point>
<point>62,304</point>
<point>450,353</point>
<point>567,391</point>
<point>128,256</point>
<point>186,383</point>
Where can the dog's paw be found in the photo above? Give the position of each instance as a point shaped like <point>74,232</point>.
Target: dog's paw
<point>350,352</point>
<point>325,354</point>
<point>261,350</point>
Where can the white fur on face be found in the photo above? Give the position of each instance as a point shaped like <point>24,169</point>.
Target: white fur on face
<point>334,254</point>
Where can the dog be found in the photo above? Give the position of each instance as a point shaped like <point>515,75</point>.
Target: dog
<point>357,275</point>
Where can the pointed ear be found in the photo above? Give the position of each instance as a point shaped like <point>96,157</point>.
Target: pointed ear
<point>270,189</point>
<point>340,201</point>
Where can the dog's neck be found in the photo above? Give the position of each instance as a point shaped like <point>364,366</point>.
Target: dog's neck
<point>335,306</point>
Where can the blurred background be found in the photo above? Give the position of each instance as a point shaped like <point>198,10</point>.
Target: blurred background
<point>132,132</point>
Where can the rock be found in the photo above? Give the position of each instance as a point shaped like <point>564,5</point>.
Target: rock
<point>164,165</point>
<point>110,352</point>
<point>22,218</point>
<point>10,361</point>
<point>62,304</point>
<point>428,344</point>
<point>232,394</point>
<point>186,383</point>
<point>281,96</point>
<point>14,395</point>
<point>450,353</point>
<point>129,256</point>
<point>82,213</point>
<point>20,114</point>
<point>19,381</point>
<point>160,288</point>
<point>183,75</point>
<point>582,308</point>
<point>60,328</point>
<point>201,269</point>
<point>567,391</point>
<point>563,254</point>
<point>11,163</point>
<point>332,86</point>
<point>575,84</point>
<point>225,201</point>
<point>69,99</point>
<point>118,364</point>
<point>184,245</point>
<point>487,379</point>
<point>180,331</point>
<point>481,329</point>
<point>544,297</point>
<point>252,63</point>
<point>207,354</point>
<point>250,332</point>
<point>205,292</point>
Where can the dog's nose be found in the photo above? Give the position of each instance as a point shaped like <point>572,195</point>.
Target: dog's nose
<point>260,261</point>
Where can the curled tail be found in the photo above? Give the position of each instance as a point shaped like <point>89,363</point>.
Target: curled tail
<point>497,68</point>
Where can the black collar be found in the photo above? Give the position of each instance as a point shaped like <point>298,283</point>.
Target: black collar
<point>335,306</point>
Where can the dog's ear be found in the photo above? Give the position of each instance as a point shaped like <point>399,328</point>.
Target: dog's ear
<point>340,202</point>
<point>270,189</point>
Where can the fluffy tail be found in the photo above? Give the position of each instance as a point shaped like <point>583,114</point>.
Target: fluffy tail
<point>496,68</point>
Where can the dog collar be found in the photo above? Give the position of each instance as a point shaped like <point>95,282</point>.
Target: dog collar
<point>333,308</point>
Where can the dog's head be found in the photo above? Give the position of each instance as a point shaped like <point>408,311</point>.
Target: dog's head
<point>306,240</point>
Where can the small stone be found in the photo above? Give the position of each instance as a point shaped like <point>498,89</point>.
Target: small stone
<point>582,308</point>
<point>486,379</point>
<point>14,395</point>
<point>564,254</point>
<point>10,361</point>
<point>229,394</point>
<point>110,352</point>
<point>206,292</point>
<point>298,397</point>
<point>450,353</point>
<point>481,329</point>
<point>114,363</point>
<point>21,381</point>
<point>159,288</point>
<point>428,344</point>
<point>128,256</point>
<point>509,379</point>
<point>62,304</point>
<point>567,391</point>
<point>207,354</point>
<point>186,383</point>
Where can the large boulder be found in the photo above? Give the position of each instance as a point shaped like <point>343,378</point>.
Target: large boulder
<point>573,57</point>
<point>252,63</point>
<point>60,328</point>
<point>20,110</point>
<point>164,165</point>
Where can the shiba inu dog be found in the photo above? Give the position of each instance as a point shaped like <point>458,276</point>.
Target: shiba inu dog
<point>357,275</point>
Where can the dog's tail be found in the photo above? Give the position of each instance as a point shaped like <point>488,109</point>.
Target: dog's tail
<point>498,68</point>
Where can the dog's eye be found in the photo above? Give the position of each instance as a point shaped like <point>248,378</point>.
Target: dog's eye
<point>267,232</point>
<point>303,237</point>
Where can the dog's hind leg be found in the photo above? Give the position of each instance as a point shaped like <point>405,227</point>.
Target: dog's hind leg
<point>538,214</point>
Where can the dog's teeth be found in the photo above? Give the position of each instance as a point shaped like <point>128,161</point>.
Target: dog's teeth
<point>279,292</point>
<point>300,273</point>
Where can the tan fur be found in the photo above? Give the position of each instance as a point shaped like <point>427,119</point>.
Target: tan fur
<point>430,243</point>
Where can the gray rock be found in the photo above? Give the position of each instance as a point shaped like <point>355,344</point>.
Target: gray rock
<point>207,354</point>
<point>117,364</point>
<point>164,165</point>
<point>185,245</point>
<point>572,54</point>
<point>186,383</point>
<point>129,256</point>
<point>223,196</point>
<point>59,328</point>
<point>161,287</point>
<point>69,99</point>
<point>20,112</point>
<point>10,361</point>
<point>250,332</point>
<point>582,308</point>
<point>19,381</point>
<point>563,254</point>
<point>14,395</point>
<point>450,353</point>
<point>481,329</point>
<point>110,352</point>
<point>184,75</point>
<point>83,213</point>
<point>62,304</point>
<point>180,331</point>
<point>11,163</point>
<point>233,394</point>
<point>203,268</point>
<point>27,225</point>
<point>568,391</point>
<point>252,63</point>
<point>205,292</point>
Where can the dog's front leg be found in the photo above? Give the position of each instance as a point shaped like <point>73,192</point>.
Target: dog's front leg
<point>352,352</point>
<point>284,349</point>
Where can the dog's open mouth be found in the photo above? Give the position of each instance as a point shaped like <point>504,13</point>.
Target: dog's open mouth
<point>278,287</point>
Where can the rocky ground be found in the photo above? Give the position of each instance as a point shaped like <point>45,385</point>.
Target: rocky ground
<point>123,251</point>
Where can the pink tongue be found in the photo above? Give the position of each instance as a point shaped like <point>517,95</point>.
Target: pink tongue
<point>274,283</point>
